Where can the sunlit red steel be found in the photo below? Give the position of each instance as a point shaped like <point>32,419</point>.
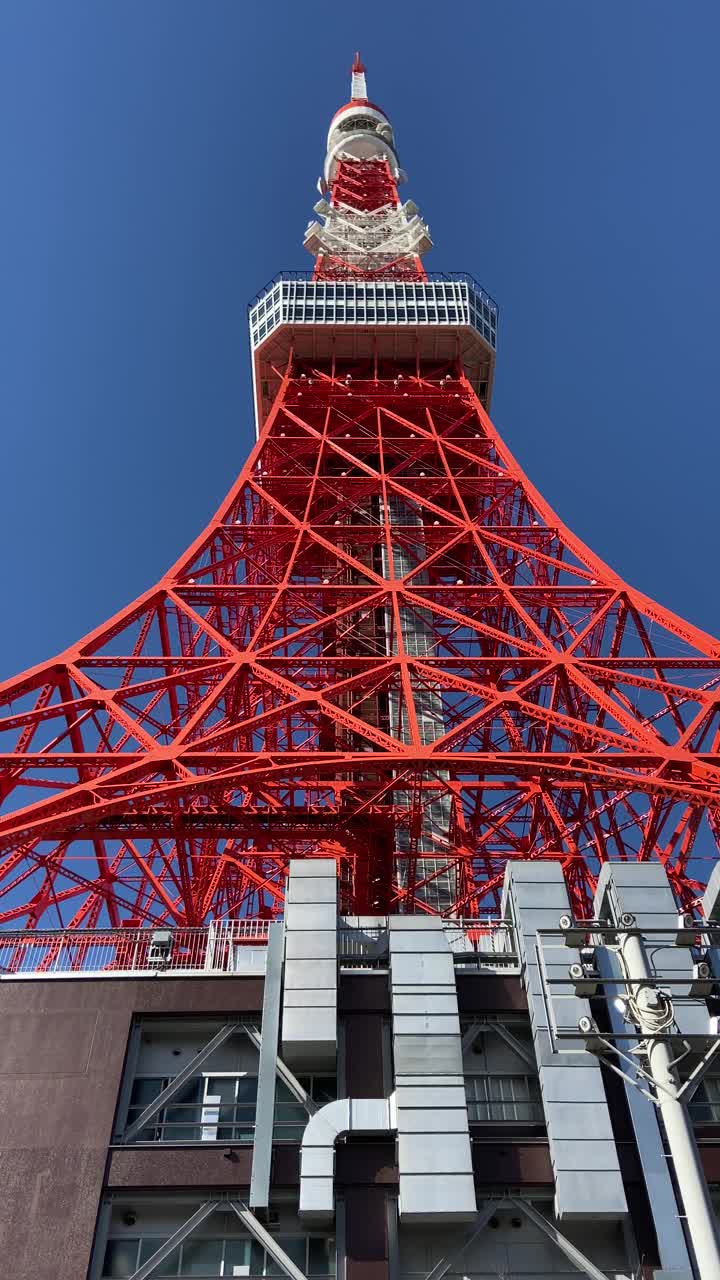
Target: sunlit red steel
<point>261,701</point>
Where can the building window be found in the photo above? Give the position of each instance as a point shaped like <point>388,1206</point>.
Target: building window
<point>290,1115</point>
<point>208,1108</point>
<point>218,1102</point>
<point>502,1098</point>
<point>221,1108</point>
<point>704,1108</point>
<point>501,1079</point>
<point>217,1256</point>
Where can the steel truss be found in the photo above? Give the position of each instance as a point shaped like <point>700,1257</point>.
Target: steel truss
<point>384,648</point>
<point>261,702</point>
<point>367,233</point>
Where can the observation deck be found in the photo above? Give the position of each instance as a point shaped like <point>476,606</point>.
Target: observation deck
<point>447,316</point>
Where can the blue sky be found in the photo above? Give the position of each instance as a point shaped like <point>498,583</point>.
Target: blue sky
<point>158,163</point>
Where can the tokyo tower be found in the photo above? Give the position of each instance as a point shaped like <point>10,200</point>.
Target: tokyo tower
<point>385,647</point>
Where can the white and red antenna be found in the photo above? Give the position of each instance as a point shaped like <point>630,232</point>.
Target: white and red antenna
<point>365,230</point>
<point>358,87</point>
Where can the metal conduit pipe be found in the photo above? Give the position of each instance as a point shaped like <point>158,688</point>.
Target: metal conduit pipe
<point>648,1005</point>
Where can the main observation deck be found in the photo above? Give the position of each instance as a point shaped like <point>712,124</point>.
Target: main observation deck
<point>447,316</point>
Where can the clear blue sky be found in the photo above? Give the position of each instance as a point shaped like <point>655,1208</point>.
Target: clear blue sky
<point>158,162</point>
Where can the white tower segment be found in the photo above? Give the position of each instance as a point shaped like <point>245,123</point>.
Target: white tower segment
<point>366,230</point>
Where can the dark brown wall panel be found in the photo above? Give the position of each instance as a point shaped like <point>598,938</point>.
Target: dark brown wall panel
<point>490,993</point>
<point>179,1168</point>
<point>512,1163</point>
<point>366,1234</point>
<point>364,993</point>
<point>144,1168</point>
<point>710,1159</point>
<point>62,1048</point>
<point>364,1055</point>
<point>366,1162</point>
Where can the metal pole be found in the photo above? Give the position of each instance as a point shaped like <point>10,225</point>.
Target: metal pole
<point>681,1139</point>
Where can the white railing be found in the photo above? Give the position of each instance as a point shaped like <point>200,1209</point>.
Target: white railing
<point>489,942</point>
<point>444,301</point>
<point>230,946</point>
<point>490,938</point>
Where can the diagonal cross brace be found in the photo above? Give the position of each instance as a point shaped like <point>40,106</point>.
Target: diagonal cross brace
<point>505,1034</point>
<point>516,1045</point>
<point>249,1221</point>
<point>268,1242</point>
<point>179,1080</point>
<point>284,1073</point>
<point>229,1029</point>
<point>695,1079</point>
<point>187,1228</point>
<point>450,1259</point>
<point>571,1251</point>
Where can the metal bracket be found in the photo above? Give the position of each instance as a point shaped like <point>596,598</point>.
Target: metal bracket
<point>686,1090</point>
<point>625,1057</point>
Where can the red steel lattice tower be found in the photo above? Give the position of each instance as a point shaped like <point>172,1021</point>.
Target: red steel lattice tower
<point>385,647</point>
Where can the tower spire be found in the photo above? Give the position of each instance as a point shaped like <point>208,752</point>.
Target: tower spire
<point>358,85</point>
<point>366,231</point>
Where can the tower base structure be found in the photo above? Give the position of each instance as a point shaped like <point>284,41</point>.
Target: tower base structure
<point>487,1107</point>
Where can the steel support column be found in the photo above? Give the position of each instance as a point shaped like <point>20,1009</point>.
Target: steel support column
<point>691,1181</point>
<point>672,1247</point>
<point>267,1072</point>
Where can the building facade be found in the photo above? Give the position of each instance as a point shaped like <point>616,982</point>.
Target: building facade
<point>380,1097</point>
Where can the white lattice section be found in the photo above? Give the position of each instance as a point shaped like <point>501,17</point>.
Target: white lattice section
<point>366,238</point>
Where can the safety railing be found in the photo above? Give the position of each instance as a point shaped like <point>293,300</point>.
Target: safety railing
<point>488,940</point>
<point>432,277</point>
<point>480,943</point>
<point>228,947</point>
